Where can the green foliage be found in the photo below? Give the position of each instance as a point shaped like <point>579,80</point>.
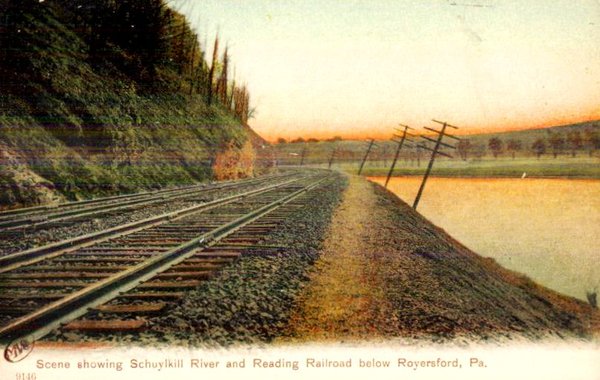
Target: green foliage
<point>464,147</point>
<point>496,145</point>
<point>80,114</point>
<point>557,142</point>
<point>580,167</point>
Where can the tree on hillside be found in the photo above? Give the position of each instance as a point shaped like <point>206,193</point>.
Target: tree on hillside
<point>464,147</point>
<point>146,40</point>
<point>241,104</point>
<point>137,27</point>
<point>211,72</point>
<point>575,142</point>
<point>539,147</point>
<point>312,140</point>
<point>221,86</point>
<point>591,140</point>
<point>132,35</point>
<point>557,142</point>
<point>496,146</point>
<point>298,140</point>
<point>513,145</point>
<point>281,140</point>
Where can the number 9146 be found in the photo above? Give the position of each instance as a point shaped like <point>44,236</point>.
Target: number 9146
<point>26,376</point>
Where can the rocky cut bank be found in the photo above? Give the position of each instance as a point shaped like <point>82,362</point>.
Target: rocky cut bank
<point>100,97</point>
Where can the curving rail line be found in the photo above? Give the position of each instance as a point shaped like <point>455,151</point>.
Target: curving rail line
<point>118,273</point>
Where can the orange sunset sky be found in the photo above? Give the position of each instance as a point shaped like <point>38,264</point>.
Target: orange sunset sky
<point>356,68</point>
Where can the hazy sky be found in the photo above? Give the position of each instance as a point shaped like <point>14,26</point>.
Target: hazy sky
<point>359,67</point>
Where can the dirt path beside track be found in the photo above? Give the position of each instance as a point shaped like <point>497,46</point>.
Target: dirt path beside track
<point>346,296</point>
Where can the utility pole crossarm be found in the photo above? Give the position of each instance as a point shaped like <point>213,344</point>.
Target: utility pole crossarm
<point>434,152</point>
<point>452,137</point>
<point>441,143</point>
<point>445,134</point>
<point>444,123</point>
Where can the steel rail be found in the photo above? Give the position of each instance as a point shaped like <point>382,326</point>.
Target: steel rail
<point>35,325</point>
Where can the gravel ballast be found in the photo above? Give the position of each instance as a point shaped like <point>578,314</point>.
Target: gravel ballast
<point>249,301</point>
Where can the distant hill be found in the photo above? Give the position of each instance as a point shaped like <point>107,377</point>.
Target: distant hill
<point>528,136</point>
<point>354,150</point>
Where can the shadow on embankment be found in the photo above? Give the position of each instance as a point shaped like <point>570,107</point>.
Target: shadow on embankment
<point>453,291</point>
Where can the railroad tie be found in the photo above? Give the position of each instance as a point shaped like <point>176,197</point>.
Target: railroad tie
<point>16,309</point>
<point>184,266</point>
<point>53,275</point>
<point>111,325</point>
<point>199,275</point>
<point>7,297</point>
<point>44,284</point>
<point>153,284</point>
<point>147,308</point>
<point>153,295</point>
<point>77,268</point>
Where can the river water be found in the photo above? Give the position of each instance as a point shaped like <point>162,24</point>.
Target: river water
<point>548,229</point>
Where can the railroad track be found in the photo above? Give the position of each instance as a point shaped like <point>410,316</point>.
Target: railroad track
<point>110,282</point>
<point>85,222</point>
<point>14,222</point>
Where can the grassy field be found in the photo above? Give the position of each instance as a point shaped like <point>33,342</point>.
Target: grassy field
<point>578,167</point>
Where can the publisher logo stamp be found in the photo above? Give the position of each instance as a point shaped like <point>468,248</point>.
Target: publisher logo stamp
<point>18,350</point>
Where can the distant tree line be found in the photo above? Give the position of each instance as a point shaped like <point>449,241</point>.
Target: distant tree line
<point>555,143</point>
<point>570,143</point>
<point>145,39</point>
<point>282,140</point>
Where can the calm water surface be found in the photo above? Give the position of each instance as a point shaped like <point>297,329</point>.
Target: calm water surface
<point>548,229</point>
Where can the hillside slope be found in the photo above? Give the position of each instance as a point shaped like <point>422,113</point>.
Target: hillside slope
<point>75,124</point>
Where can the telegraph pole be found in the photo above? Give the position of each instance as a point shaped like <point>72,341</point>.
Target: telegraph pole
<point>362,164</point>
<point>303,155</point>
<point>400,143</point>
<point>434,152</point>
<point>332,157</point>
